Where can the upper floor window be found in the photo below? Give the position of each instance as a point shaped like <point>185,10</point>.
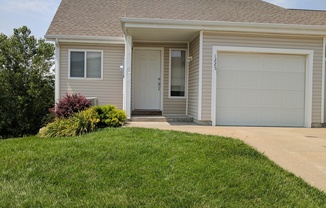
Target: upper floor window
<point>85,64</point>
<point>177,73</point>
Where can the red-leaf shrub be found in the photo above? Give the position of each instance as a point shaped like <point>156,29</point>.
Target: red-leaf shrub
<point>71,104</point>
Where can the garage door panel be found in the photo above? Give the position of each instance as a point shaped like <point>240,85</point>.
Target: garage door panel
<point>271,81</point>
<point>248,80</point>
<point>292,118</point>
<point>265,89</point>
<point>227,79</point>
<point>249,98</point>
<point>293,81</point>
<point>227,98</point>
<point>250,116</point>
<point>291,99</point>
<point>252,63</point>
<point>271,117</point>
<point>227,115</point>
<point>294,64</point>
<point>229,61</point>
<point>271,63</point>
<point>271,99</point>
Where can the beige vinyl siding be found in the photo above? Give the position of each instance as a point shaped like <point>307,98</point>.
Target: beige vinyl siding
<point>109,90</point>
<point>264,41</point>
<point>193,78</point>
<point>170,105</point>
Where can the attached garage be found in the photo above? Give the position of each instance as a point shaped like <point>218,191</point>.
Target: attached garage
<point>261,88</point>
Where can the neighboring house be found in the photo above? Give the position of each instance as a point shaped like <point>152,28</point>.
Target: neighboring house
<point>222,62</point>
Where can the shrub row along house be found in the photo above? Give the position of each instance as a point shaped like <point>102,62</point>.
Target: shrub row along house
<point>222,62</point>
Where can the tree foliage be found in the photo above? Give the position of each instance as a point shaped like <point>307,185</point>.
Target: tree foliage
<point>26,86</point>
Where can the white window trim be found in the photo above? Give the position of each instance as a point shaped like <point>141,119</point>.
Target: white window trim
<point>308,82</point>
<point>85,64</point>
<point>186,55</point>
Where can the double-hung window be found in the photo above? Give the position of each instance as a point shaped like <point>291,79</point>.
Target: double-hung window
<point>85,64</point>
<point>177,73</point>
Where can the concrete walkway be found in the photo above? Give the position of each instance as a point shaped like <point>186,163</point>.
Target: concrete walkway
<point>301,151</point>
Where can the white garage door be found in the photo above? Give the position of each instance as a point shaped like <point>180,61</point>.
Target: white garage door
<point>260,89</point>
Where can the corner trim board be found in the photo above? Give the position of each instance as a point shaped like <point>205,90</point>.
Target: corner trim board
<point>57,71</point>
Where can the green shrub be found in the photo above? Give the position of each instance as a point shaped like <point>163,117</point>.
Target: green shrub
<point>80,123</point>
<point>110,116</point>
<point>87,121</point>
<point>84,122</point>
<point>60,128</point>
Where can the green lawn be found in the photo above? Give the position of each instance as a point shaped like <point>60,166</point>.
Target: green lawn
<point>134,167</point>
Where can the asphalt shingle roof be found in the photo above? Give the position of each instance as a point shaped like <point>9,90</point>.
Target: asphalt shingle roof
<point>102,17</point>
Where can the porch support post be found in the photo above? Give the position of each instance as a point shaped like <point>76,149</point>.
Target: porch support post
<point>127,76</point>
<point>200,76</point>
<point>323,97</point>
<point>57,71</point>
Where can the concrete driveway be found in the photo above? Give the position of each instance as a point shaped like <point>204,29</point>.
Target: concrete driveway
<point>301,151</point>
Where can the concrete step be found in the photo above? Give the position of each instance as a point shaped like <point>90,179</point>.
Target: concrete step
<point>164,118</point>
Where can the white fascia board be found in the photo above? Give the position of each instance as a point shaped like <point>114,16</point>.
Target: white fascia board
<point>223,26</point>
<point>85,39</point>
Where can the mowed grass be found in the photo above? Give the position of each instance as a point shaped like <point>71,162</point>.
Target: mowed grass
<point>134,167</point>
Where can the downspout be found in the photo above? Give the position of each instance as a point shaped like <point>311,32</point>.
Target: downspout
<point>57,70</point>
<point>323,109</point>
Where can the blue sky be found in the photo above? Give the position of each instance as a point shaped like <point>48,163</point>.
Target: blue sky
<point>37,14</point>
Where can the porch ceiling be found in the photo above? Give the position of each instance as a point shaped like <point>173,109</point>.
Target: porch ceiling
<point>162,34</point>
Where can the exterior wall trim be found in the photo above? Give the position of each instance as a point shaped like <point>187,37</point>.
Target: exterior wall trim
<point>57,71</point>
<point>161,49</point>
<point>309,74</point>
<point>200,75</point>
<point>187,77</point>
<point>127,76</point>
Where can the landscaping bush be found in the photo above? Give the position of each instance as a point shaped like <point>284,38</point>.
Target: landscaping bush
<point>110,116</point>
<point>78,124</point>
<point>60,128</point>
<point>71,104</point>
<point>84,122</point>
<point>87,121</point>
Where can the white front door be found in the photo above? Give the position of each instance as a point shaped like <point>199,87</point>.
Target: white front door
<point>147,79</point>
